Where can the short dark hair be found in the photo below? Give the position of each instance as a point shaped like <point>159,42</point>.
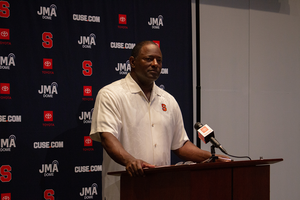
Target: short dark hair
<point>137,48</point>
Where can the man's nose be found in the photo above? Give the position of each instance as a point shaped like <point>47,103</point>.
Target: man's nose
<point>154,62</point>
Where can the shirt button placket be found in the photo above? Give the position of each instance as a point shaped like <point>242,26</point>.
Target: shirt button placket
<point>154,144</point>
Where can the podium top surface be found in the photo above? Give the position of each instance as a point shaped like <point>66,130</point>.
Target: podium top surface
<point>202,166</point>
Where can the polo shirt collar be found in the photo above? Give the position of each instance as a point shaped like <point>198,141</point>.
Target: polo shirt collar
<point>135,88</point>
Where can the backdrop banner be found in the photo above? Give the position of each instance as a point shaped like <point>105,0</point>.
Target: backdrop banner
<point>54,58</point>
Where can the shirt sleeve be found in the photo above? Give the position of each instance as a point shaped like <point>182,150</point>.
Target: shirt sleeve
<point>106,115</point>
<point>180,136</point>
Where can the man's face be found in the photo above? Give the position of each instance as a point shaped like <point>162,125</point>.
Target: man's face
<point>147,65</point>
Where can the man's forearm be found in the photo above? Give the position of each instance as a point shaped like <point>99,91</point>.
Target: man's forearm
<point>116,151</point>
<point>191,152</point>
<point>114,148</point>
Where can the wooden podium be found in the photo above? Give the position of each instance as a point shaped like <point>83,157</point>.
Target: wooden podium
<point>238,180</point>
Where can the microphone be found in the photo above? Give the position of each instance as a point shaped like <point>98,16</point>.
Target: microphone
<point>206,134</point>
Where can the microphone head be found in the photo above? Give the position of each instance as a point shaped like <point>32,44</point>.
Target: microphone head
<point>204,132</point>
<point>198,125</point>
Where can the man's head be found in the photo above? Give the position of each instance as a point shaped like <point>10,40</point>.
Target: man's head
<point>137,48</point>
<point>146,62</point>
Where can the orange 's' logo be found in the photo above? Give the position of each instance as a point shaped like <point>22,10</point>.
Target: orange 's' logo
<point>164,107</point>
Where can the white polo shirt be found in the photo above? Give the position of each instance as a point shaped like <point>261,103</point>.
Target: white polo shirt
<point>148,130</point>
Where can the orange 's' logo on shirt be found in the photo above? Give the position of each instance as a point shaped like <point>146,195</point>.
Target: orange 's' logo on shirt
<point>164,107</point>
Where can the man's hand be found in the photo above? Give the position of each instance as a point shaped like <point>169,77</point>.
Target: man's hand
<point>135,167</point>
<point>222,158</point>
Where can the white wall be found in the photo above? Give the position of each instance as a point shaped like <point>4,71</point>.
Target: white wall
<point>250,80</point>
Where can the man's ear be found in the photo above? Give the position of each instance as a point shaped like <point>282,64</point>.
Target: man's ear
<point>132,61</point>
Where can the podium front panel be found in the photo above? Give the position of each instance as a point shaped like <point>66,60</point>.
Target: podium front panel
<point>239,180</point>
<point>211,184</point>
<point>251,183</point>
<point>156,186</point>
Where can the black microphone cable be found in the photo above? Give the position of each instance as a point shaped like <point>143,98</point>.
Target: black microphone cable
<point>215,143</point>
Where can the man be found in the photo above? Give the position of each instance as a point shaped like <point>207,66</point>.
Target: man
<point>138,123</point>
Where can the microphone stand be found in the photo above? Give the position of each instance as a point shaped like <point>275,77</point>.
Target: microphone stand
<point>213,157</point>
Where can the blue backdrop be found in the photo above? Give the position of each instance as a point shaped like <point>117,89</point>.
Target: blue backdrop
<point>54,57</point>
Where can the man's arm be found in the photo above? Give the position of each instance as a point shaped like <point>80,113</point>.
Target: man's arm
<point>192,153</point>
<point>116,151</point>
